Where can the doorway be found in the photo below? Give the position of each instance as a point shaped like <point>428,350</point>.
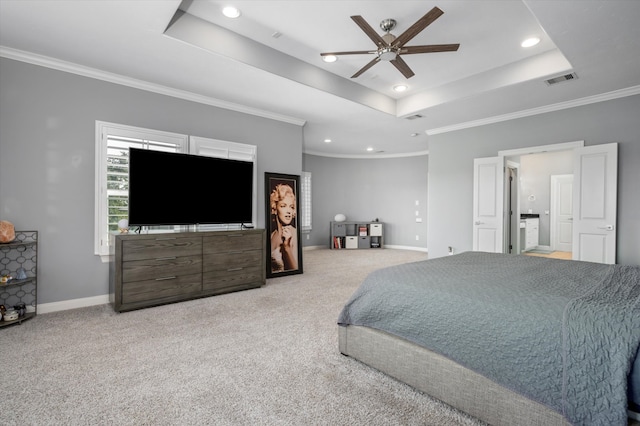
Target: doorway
<point>594,200</point>
<point>544,186</point>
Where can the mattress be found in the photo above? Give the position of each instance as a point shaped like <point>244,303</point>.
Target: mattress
<point>564,334</point>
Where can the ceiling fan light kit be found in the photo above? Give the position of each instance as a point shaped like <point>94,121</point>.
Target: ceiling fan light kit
<point>387,54</point>
<point>390,48</point>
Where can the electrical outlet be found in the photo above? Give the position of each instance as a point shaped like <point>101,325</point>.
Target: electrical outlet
<point>417,237</point>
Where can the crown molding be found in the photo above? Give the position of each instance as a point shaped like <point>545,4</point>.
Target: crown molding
<point>616,94</point>
<point>372,156</point>
<point>48,62</point>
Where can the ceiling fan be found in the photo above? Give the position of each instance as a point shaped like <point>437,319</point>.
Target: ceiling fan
<point>390,47</point>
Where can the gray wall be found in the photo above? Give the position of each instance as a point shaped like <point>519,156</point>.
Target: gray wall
<point>451,167</point>
<point>365,189</point>
<point>47,156</point>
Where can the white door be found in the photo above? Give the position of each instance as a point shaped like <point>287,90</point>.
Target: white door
<point>488,190</point>
<point>562,212</point>
<point>594,203</point>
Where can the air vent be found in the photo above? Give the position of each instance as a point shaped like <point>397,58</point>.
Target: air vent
<point>562,78</point>
<point>413,117</point>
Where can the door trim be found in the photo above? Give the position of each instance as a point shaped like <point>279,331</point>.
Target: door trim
<point>564,146</point>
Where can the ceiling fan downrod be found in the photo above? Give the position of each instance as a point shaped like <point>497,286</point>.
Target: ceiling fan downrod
<point>388,53</point>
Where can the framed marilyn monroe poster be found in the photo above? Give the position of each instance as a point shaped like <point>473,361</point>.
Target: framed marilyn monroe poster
<point>283,240</point>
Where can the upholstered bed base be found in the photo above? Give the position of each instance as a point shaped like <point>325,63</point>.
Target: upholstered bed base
<point>443,379</point>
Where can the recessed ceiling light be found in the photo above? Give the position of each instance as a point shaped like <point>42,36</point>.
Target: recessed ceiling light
<point>413,135</point>
<point>330,58</point>
<point>400,87</point>
<point>327,141</point>
<point>231,12</point>
<point>530,42</point>
<point>370,149</point>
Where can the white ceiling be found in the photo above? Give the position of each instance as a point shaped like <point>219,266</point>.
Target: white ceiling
<point>240,64</point>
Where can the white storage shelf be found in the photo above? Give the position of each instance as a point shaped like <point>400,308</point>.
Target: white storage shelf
<point>356,235</point>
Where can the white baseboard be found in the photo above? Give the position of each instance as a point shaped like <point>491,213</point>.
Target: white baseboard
<point>64,305</point>
<point>45,308</point>
<point>424,249</point>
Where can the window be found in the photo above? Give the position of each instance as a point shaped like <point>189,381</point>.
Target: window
<point>112,169</point>
<point>305,202</point>
<point>112,172</point>
<point>233,151</point>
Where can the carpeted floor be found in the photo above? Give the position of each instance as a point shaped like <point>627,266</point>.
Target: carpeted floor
<point>267,356</point>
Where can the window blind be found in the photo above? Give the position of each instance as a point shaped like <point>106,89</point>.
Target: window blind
<point>305,201</point>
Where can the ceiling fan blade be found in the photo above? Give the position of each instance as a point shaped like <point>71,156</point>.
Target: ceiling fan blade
<point>366,67</point>
<point>432,48</point>
<point>373,35</point>
<point>402,66</point>
<point>420,25</point>
<point>354,52</point>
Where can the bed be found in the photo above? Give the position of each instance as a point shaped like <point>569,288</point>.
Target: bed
<point>508,339</point>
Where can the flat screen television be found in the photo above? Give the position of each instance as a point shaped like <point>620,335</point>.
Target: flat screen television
<point>167,188</point>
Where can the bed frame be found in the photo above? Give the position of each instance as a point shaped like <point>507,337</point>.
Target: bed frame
<point>443,379</point>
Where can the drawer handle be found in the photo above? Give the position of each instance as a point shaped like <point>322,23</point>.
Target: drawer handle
<point>166,258</point>
<point>164,239</point>
<point>166,278</point>
<point>234,269</point>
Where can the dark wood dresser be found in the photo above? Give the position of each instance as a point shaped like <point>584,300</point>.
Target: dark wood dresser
<point>157,268</point>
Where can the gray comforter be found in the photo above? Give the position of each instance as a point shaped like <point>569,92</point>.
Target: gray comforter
<point>564,333</point>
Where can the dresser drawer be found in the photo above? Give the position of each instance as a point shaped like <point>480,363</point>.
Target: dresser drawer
<point>160,247</point>
<point>240,277</point>
<point>158,290</point>
<point>236,242</point>
<point>231,261</point>
<point>137,270</point>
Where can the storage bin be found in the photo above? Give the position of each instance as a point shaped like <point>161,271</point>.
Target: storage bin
<point>375,229</point>
<point>351,242</point>
<point>339,229</point>
<point>364,242</point>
